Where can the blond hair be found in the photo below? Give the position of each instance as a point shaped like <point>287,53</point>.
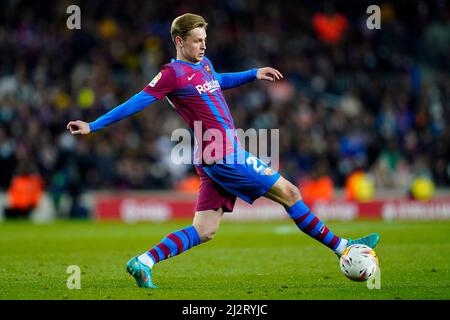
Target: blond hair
<point>183,24</point>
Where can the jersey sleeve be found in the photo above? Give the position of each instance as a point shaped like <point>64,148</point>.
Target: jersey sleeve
<point>135,104</point>
<point>233,79</point>
<point>162,84</point>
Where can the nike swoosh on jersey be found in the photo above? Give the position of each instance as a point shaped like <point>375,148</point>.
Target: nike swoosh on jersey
<point>190,78</point>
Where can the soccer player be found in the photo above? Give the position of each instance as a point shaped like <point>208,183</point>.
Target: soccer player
<point>193,87</point>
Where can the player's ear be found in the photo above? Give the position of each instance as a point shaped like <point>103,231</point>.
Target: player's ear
<point>179,41</point>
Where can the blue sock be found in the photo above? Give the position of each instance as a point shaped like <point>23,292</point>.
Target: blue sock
<point>312,226</point>
<point>174,244</point>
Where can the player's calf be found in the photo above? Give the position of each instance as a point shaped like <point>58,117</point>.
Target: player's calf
<point>204,227</point>
<point>288,195</point>
<point>284,192</point>
<point>173,244</point>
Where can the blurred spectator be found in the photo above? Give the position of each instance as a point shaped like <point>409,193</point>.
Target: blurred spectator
<point>373,99</point>
<point>190,184</point>
<point>359,186</point>
<point>319,186</point>
<point>389,166</point>
<point>422,188</point>
<point>7,159</point>
<point>330,26</point>
<point>25,192</point>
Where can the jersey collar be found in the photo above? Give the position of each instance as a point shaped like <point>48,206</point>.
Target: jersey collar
<point>188,63</point>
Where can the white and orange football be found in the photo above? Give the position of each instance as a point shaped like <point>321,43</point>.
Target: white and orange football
<point>359,262</point>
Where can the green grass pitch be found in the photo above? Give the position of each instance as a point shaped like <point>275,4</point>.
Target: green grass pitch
<point>264,260</point>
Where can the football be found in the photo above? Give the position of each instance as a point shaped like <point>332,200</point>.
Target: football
<point>359,262</point>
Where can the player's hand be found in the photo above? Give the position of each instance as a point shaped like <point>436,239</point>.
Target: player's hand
<point>78,127</point>
<point>269,74</point>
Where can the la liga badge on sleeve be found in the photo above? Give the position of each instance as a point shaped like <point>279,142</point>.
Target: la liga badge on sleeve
<point>155,80</point>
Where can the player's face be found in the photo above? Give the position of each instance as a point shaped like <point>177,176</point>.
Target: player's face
<point>194,47</point>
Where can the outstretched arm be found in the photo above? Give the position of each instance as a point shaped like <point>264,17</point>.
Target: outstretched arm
<point>235,79</point>
<point>133,105</point>
<point>161,85</point>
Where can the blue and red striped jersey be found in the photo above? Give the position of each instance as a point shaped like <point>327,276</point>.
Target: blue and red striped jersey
<point>195,91</point>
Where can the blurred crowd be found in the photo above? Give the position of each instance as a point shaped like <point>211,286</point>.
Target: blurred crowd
<point>352,99</point>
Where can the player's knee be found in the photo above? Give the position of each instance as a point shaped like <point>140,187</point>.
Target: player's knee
<point>292,193</point>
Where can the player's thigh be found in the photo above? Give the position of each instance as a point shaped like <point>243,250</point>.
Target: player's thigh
<point>284,192</point>
<point>207,223</point>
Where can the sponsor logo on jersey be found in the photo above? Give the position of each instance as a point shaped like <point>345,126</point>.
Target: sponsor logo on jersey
<point>208,86</point>
<point>155,80</point>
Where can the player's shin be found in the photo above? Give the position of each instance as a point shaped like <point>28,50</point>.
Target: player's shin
<point>173,244</point>
<point>312,226</point>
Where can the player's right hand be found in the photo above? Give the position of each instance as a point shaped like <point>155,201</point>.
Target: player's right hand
<point>78,127</point>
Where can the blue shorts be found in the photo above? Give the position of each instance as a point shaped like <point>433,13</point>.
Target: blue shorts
<point>248,179</point>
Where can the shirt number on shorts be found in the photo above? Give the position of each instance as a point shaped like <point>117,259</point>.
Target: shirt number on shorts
<point>252,161</point>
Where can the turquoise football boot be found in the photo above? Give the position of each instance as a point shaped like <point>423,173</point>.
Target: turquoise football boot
<point>141,273</point>
<point>371,241</point>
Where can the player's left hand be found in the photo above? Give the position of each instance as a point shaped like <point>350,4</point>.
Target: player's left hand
<point>78,127</point>
<point>269,74</point>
